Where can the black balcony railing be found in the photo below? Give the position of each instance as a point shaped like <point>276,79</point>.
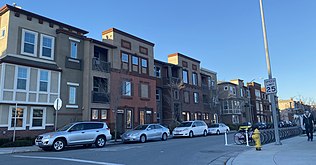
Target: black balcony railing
<point>100,97</point>
<point>101,66</point>
<point>171,81</point>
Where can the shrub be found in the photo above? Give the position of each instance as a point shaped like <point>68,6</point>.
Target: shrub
<point>3,141</point>
<point>19,143</point>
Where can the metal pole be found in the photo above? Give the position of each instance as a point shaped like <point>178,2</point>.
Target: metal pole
<point>16,108</point>
<point>226,138</point>
<point>247,139</point>
<point>272,96</point>
<point>56,116</point>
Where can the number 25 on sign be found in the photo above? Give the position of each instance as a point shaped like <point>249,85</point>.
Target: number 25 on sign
<point>270,85</point>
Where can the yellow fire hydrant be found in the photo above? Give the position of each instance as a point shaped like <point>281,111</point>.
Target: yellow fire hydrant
<point>256,138</point>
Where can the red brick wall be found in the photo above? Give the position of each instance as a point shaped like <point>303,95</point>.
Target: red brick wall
<point>8,134</point>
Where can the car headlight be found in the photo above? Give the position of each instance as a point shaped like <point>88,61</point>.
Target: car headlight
<point>134,134</point>
<point>48,136</point>
<point>186,129</point>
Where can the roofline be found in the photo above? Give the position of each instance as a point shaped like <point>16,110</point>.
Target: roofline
<point>166,63</point>
<point>184,56</point>
<point>223,83</point>
<point>101,43</point>
<point>127,35</point>
<point>7,7</point>
<point>207,70</point>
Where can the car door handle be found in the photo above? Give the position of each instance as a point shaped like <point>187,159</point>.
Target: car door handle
<point>82,132</point>
<point>97,131</point>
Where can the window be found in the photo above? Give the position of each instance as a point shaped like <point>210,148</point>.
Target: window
<point>144,93</point>
<point>209,81</point>
<point>2,32</point>
<point>194,79</point>
<point>196,97</point>
<point>143,50</point>
<point>257,93</point>
<point>127,88</point>
<point>235,119</point>
<point>104,114</point>
<point>72,95</point>
<point>22,78</point>
<point>47,47</point>
<point>225,88</point>
<point>186,95</point>
<point>232,90</point>
<point>157,71</point>
<point>95,114</point>
<point>205,99</point>
<point>241,92</point>
<point>157,95</point>
<point>17,118</point>
<point>141,117</point>
<point>135,60</point>
<point>73,49</point>
<point>124,57</point>
<point>43,84</point>
<point>128,118</point>
<point>144,63</point>
<point>185,76</point>
<point>38,116</point>
<point>29,42</point>
<point>126,44</point>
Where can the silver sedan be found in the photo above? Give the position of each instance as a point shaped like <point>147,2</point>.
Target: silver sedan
<point>143,133</point>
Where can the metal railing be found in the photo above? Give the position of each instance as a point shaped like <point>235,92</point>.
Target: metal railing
<point>101,66</point>
<point>100,97</point>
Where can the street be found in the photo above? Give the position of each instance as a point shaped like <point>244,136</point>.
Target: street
<point>191,151</point>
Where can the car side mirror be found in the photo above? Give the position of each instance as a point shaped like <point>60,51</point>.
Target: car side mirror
<point>148,129</point>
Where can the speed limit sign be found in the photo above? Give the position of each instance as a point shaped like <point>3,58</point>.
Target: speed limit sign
<point>270,85</point>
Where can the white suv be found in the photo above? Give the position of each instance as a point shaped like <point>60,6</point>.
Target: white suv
<point>191,128</point>
<point>80,133</point>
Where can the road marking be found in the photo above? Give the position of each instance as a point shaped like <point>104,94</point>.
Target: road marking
<point>66,159</point>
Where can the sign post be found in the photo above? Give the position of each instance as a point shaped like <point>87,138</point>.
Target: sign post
<point>57,105</point>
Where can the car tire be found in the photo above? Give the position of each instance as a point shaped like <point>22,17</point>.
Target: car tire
<point>191,134</point>
<point>143,138</point>
<point>218,132</point>
<point>59,145</point>
<point>164,137</point>
<point>100,141</point>
<point>205,133</point>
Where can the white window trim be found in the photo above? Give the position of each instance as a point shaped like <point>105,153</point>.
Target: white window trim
<point>72,84</point>
<point>5,32</point>
<point>74,39</point>
<point>126,93</point>
<point>10,127</point>
<point>16,79</point>
<point>75,99</point>
<point>39,80</point>
<point>71,41</point>
<point>43,119</point>
<point>22,43</point>
<point>72,106</point>
<point>53,47</point>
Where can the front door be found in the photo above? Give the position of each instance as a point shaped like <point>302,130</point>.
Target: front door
<point>120,122</point>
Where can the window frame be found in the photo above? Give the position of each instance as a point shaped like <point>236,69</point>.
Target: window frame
<point>187,76</point>
<point>141,92</point>
<point>72,101</point>
<point>43,118</point>
<point>23,42</point>
<point>52,47</point>
<point>196,97</point>
<point>17,78</point>
<point>39,80</point>
<point>144,65</point>
<point>134,58</point>
<point>122,59</point>
<point>124,85</point>
<point>157,72</point>
<point>195,79</point>
<point>131,119</point>
<point>24,118</point>
<point>71,50</point>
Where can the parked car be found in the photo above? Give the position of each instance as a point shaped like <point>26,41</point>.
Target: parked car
<point>190,129</point>
<point>79,133</point>
<point>145,132</point>
<point>218,128</point>
<point>260,125</point>
<point>245,126</point>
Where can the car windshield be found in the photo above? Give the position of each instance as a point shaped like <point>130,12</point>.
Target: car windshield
<point>213,125</point>
<point>141,127</point>
<point>64,128</point>
<point>185,124</point>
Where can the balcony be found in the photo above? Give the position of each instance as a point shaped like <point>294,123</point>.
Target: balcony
<point>100,97</point>
<point>101,66</point>
<point>205,87</point>
<point>171,81</point>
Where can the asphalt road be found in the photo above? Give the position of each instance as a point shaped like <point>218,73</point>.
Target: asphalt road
<point>177,151</point>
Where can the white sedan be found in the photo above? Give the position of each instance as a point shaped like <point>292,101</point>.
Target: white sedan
<point>218,128</point>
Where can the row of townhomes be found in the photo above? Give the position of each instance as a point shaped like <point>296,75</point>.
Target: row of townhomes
<point>115,80</point>
<point>291,109</point>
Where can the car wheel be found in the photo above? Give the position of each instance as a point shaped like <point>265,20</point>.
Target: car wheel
<point>191,134</point>
<point>205,133</point>
<point>100,142</point>
<point>217,132</point>
<point>143,138</point>
<point>164,137</point>
<point>59,145</point>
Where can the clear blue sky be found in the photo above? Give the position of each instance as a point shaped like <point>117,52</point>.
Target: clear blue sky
<point>225,35</point>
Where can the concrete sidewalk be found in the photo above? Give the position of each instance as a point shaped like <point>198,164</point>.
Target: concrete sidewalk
<point>34,148</point>
<point>296,150</point>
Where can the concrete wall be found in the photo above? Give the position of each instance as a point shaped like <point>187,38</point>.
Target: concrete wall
<point>4,23</point>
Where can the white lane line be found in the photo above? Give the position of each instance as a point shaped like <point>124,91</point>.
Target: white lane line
<point>66,159</point>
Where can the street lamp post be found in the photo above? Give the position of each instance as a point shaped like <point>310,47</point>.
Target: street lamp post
<point>272,96</point>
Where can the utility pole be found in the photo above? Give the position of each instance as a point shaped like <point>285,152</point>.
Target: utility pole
<point>272,95</point>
